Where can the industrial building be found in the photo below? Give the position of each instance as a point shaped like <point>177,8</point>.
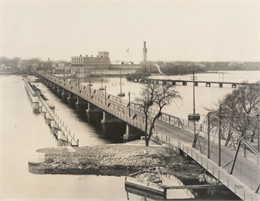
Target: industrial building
<point>83,66</point>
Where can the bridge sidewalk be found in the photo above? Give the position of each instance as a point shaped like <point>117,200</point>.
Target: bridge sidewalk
<point>221,174</point>
<point>172,135</point>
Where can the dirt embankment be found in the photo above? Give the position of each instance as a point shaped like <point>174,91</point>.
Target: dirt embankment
<point>116,159</point>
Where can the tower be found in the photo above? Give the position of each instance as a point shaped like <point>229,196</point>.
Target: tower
<point>144,53</point>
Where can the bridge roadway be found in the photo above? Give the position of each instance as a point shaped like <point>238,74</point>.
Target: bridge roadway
<point>184,82</point>
<point>173,134</point>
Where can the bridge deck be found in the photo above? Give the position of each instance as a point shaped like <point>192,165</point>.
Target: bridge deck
<point>191,81</point>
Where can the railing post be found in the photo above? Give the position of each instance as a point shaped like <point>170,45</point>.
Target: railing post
<point>227,182</point>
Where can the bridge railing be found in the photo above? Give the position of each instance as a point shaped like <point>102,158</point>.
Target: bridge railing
<point>241,189</point>
<point>238,187</point>
<point>70,138</point>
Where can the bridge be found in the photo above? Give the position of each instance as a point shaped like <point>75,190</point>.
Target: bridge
<point>185,82</point>
<point>170,130</point>
<point>57,126</point>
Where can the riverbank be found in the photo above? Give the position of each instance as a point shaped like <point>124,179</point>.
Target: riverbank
<point>117,159</point>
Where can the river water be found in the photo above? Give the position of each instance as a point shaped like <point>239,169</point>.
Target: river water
<point>23,130</point>
<point>206,97</point>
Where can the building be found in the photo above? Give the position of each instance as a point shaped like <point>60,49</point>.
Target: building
<point>83,65</point>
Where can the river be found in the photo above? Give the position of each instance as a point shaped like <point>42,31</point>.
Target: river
<point>23,130</point>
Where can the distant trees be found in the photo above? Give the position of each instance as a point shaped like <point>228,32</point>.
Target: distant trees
<point>10,61</point>
<point>156,96</point>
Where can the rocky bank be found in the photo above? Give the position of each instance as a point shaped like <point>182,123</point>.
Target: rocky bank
<point>117,159</point>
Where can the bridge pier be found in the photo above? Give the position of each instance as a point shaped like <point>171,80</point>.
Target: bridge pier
<point>196,84</point>
<point>132,133</point>
<point>108,118</point>
<point>64,94</point>
<point>173,83</point>
<point>234,85</point>
<point>208,84</point>
<point>184,83</point>
<point>54,88</point>
<point>220,85</point>
<point>59,91</point>
<point>81,104</point>
<point>92,108</point>
<point>72,98</point>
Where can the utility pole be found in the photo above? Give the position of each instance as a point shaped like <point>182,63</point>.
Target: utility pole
<point>129,104</point>
<point>219,137</point>
<point>194,117</point>
<point>105,95</point>
<point>208,135</point>
<point>193,77</point>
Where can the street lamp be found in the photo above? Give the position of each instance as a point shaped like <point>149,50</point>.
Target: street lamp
<point>89,85</point>
<point>258,138</point>
<point>194,116</point>
<point>121,94</point>
<point>129,104</point>
<point>78,84</point>
<point>102,88</point>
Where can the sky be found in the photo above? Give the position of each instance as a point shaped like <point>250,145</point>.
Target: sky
<point>173,30</point>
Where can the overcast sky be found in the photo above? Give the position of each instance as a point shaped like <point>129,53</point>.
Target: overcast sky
<point>173,30</point>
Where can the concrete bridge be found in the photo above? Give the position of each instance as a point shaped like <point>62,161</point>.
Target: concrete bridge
<point>168,129</point>
<point>185,82</point>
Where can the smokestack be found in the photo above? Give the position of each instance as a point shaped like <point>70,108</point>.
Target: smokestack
<point>144,53</point>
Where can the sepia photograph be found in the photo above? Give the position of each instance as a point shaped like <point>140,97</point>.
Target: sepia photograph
<point>130,100</point>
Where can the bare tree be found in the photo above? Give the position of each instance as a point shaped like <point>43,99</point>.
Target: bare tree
<point>240,108</point>
<point>157,97</point>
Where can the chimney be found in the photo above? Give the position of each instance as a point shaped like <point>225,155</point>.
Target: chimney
<point>144,53</point>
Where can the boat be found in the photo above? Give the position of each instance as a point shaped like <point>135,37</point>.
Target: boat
<point>146,181</point>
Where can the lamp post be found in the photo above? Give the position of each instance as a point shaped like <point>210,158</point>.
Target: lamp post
<point>195,116</point>
<point>78,84</point>
<point>258,138</point>
<point>129,104</point>
<point>89,85</point>
<point>121,94</point>
<point>102,88</point>
<point>105,95</point>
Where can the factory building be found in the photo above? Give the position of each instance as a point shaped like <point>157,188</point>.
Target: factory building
<point>83,66</point>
